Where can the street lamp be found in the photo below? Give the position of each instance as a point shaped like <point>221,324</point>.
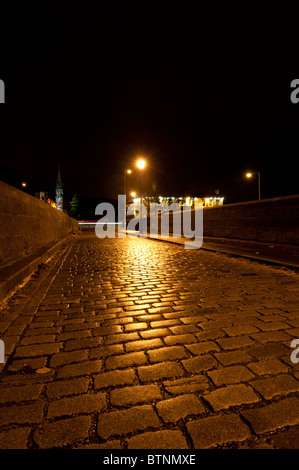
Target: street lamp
<point>141,166</point>
<point>24,185</point>
<point>126,172</point>
<point>249,175</point>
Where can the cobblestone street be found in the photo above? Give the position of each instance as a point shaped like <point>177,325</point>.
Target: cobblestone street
<point>135,343</point>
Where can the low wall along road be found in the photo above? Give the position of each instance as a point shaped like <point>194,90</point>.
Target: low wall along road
<point>30,232</point>
<point>273,220</point>
<point>28,224</point>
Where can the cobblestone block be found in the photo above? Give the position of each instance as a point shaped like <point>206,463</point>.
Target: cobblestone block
<point>217,430</point>
<point>232,395</point>
<point>37,350</point>
<point>63,432</point>
<point>114,378</point>
<point>135,395</point>
<point>107,330</point>
<point>230,375</point>
<point>117,423</point>
<point>67,358</point>
<point>240,330</point>
<point>167,354</point>
<point>193,319</point>
<point>195,383</point>
<point>22,414</point>
<point>14,438</point>
<point>121,338</point>
<point>179,407</point>
<point>180,339</point>
<point>271,326</point>
<point>211,334</point>
<point>106,351</point>
<point>144,344</point>
<point>74,335</point>
<point>201,348</point>
<point>273,386</point>
<point>154,333</point>
<point>158,440</point>
<point>235,342</point>
<point>82,343</point>
<point>287,439</point>
<point>86,403</point>
<point>160,371</point>
<point>262,351</point>
<point>136,326</point>
<point>199,363</point>
<point>21,393</point>
<point>164,323</point>
<point>184,329</point>
<point>34,363</point>
<point>274,416</point>
<point>271,366</point>
<point>269,336</point>
<point>67,387</point>
<point>126,360</point>
<point>81,368</point>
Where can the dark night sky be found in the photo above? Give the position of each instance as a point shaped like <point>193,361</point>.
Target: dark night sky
<point>203,93</point>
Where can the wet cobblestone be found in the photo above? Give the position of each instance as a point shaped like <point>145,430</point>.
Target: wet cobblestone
<point>136,343</point>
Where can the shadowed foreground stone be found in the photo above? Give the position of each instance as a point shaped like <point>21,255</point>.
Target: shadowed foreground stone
<point>124,421</point>
<point>277,415</point>
<point>14,438</point>
<point>62,432</point>
<point>209,432</point>
<point>158,440</point>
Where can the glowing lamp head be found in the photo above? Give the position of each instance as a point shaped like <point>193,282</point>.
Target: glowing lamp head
<point>129,172</point>
<point>24,185</point>
<point>133,194</point>
<point>141,164</point>
<point>249,175</point>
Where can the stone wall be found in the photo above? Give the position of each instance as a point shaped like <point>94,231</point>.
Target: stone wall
<point>269,220</point>
<point>28,224</point>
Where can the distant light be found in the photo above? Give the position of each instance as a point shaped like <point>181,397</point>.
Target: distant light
<point>129,172</point>
<point>249,175</point>
<point>133,194</point>
<point>141,164</point>
<point>24,185</point>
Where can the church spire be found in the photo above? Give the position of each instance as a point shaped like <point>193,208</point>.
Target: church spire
<point>59,192</point>
<point>59,182</point>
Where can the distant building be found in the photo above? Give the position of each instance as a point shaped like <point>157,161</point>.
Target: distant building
<point>43,196</point>
<point>187,201</point>
<point>59,192</point>
<point>212,201</point>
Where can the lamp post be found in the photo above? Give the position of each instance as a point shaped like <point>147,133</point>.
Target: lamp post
<point>126,172</point>
<point>249,175</point>
<point>141,166</point>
